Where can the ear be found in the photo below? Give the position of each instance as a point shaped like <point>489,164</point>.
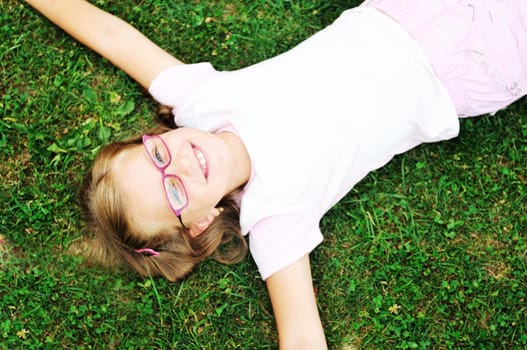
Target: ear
<point>197,227</point>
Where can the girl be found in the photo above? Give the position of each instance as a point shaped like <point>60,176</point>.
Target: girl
<point>288,137</point>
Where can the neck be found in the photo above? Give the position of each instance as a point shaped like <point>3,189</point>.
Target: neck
<point>242,161</point>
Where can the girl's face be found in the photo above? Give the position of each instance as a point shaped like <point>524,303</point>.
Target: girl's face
<point>209,166</point>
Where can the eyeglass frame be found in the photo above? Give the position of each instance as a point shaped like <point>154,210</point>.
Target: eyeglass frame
<point>165,175</point>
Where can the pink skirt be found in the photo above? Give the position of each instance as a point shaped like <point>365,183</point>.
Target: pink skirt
<point>478,48</point>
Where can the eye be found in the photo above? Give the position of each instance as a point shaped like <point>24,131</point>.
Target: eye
<point>157,156</point>
<point>176,193</point>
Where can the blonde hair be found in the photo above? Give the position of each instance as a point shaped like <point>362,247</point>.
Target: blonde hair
<point>116,239</point>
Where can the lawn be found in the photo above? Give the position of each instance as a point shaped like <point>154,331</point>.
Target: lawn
<point>429,252</point>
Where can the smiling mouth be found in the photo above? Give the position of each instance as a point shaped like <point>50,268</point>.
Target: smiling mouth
<point>202,161</point>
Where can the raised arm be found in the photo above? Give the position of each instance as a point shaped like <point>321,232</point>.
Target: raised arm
<point>295,307</point>
<point>109,36</point>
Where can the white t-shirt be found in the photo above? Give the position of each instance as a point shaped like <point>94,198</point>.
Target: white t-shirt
<point>315,120</point>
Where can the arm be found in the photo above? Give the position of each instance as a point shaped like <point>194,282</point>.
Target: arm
<point>295,307</point>
<point>109,36</point>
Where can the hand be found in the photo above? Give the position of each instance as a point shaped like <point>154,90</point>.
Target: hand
<point>109,36</point>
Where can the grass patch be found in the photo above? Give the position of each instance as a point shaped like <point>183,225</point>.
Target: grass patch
<point>429,252</point>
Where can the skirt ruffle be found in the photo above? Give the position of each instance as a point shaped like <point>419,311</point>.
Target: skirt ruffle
<point>478,48</point>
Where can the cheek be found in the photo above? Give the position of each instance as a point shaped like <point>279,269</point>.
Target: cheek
<point>153,218</point>
<point>192,214</point>
<point>197,209</point>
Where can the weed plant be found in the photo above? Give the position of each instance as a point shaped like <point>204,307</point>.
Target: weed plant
<point>427,253</point>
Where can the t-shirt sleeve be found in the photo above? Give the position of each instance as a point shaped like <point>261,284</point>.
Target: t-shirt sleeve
<point>279,241</point>
<point>173,86</point>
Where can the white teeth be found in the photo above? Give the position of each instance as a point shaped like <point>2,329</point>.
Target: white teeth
<point>202,161</point>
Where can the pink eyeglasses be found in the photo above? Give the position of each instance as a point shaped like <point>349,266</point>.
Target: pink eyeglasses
<point>175,191</point>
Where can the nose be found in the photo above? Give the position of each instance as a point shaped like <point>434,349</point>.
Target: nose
<point>181,165</point>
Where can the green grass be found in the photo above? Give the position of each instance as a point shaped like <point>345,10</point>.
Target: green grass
<point>429,252</point>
